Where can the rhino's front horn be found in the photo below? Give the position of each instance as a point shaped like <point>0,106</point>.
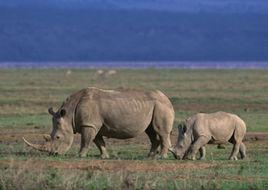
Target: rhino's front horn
<point>50,110</point>
<point>42,148</point>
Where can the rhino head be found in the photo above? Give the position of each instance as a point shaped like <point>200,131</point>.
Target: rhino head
<point>184,141</point>
<point>61,137</point>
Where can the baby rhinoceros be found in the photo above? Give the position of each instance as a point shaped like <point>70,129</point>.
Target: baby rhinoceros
<point>214,128</point>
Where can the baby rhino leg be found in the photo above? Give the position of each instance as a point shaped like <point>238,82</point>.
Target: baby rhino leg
<point>242,150</point>
<point>202,152</point>
<point>200,142</point>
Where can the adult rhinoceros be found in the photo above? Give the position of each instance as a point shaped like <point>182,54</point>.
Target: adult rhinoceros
<point>217,128</point>
<point>120,114</point>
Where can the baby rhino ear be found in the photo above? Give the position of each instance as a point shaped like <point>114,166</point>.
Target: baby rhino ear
<point>182,127</point>
<point>62,113</point>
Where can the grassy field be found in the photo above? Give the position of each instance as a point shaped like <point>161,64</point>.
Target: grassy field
<point>25,96</point>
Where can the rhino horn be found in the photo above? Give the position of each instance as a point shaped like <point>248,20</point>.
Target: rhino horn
<point>50,110</point>
<point>172,150</point>
<point>42,148</point>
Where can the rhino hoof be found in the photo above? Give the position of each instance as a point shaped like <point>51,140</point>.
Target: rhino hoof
<point>105,156</point>
<point>244,158</point>
<point>233,158</point>
<point>152,155</point>
<point>82,155</point>
<point>164,156</point>
<point>191,158</point>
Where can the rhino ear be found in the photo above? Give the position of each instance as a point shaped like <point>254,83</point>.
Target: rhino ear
<point>182,128</point>
<point>50,111</point>
<point>62,112</point>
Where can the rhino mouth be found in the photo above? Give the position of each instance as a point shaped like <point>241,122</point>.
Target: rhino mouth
<point>53,153</point>
<point>176,156</point>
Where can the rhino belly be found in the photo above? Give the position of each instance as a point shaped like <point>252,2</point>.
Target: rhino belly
<point>128,120</point>
<point>124,128</point>
<point>221,133</point>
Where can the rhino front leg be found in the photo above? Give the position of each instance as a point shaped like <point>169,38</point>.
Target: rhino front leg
<point>101,146</point>
<point>165,145</point>
<point>202,152</point>
<point>87,135</point>
<point>200,142</point>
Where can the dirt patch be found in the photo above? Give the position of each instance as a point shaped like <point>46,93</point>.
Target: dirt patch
<point>7,136</point>
<point>36,135</point>
<point>107,165</point>
<point>255,136</point>
<point>250,179</point>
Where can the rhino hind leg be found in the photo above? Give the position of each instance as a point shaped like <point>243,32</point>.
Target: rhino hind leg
<point>235,151</point>
<point>239,146</point>
<point>162,123</point>
<point>101,146</point>
<point>242,150</point>
<point>155,141</point>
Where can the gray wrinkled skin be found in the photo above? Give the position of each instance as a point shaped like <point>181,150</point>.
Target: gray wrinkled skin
<point>216,128</point>
<point>120,114</point>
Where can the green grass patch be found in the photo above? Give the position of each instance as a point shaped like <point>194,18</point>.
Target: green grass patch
<point>25,121</point>
<point>26,95</point>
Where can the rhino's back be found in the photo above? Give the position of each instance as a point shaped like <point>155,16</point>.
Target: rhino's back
<point>219,125</point>
<point>125,113</point>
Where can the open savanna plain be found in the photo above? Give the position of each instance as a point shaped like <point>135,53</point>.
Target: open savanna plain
<point>25,96</point>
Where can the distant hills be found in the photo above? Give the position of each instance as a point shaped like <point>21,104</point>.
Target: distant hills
<point>133,30</point>
<point>224,6</point>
